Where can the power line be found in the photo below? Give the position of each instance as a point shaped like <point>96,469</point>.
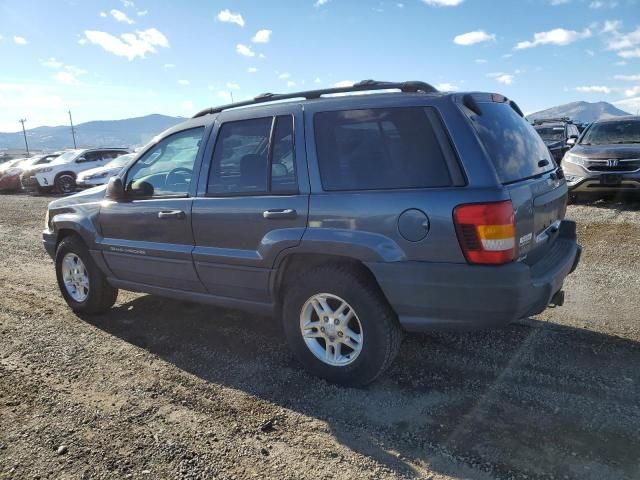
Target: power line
<point>22,120</point>
<point>73,130</point>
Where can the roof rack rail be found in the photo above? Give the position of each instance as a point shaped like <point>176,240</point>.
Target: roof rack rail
<point>538,121</point>
<point>363,86</point>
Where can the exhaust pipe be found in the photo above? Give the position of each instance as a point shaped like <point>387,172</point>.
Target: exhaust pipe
<point>558,299</point>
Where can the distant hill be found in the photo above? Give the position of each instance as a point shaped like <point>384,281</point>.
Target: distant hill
<point>581,112</point>
<point>130,132</point>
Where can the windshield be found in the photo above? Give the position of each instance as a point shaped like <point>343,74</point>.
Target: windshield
<point>120,161</point>
<point>67,157</point>
<point>612,132</point>
<point>551,134</point>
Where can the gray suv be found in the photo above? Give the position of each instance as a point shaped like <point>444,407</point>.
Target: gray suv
<point>351,217</point>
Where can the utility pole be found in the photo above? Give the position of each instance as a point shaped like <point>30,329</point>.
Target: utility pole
<point>73,130</point>
<point>22,120</point>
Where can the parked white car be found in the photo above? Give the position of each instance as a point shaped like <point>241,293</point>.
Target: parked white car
<point>62,172</point>
<point>100,175</point>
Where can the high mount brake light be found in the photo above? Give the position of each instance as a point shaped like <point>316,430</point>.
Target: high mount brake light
<point>486,232</point>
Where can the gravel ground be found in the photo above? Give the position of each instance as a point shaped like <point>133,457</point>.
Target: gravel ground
<point>165,389</point>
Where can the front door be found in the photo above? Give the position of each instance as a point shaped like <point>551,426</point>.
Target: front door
<point>147,238</point>
<point>252,201</point>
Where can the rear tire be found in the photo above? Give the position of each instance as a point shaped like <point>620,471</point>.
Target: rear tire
<point>82,283</point>
<point>346,293</point>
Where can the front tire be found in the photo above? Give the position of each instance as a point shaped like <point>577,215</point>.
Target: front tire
<point>339,325</point>
<point>82,283</point>
<point>65,183</point>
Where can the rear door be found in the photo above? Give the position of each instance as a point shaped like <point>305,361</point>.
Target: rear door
<point>147,237</point>
<point>252,200</point>
<point>525,167</point>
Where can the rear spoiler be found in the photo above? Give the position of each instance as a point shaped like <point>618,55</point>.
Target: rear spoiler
<point>469,101</point>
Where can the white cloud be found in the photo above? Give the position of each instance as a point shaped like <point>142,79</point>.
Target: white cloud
<point>480,61</point>
<point>443,3</point>
<point>446,87</point>
<point>593,89</point>
<point>228,17</point>
<point>67,78</point>
<point>400,5</point>
<point>291,84</point>
<point>82,41</point>
<point>187,105</point>
<point>103,14</point>
<point>244,50</point>
<point>183,82</point>
<point>52,63</point>
<point>320,3</point>
<point>121,16</point>
<point>252,69</point>
<point>631,105</point>
<point>611,26</point>
<point>628,78</point>
<point>557,36</point>
<point>555,3</point>
<point>506,79</point>
<point>232,86</point>
<point>471,38</point>
<point>344,83</point>
<point>317,80</point>
<point>589,52</point>
<point>620,41</point>
<point>225,95</point>
<point>635,53</point>
<point>262,36</point>
<point>130,45</point>
<point>282,76</point>
<point>597,4</point>
<point>19,40</point>
<point>142,13</point>
<point>127,3</point>
<point>169,65</point>
<point>633,91</point>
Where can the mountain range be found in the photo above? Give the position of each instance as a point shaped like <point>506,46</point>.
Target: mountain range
<point>134,132</point>
<point>580,112</point>
<point>130,132</point>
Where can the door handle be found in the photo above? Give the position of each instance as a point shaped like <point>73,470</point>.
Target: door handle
<point>171,215</point>
<point>280,213</point>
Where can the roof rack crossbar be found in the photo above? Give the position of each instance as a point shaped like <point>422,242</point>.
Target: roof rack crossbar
<point>552,119</point>
<point>363,86</point>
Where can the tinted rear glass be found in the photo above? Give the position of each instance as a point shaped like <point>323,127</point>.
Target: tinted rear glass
<point>383,148</point>
<point>512,144</point>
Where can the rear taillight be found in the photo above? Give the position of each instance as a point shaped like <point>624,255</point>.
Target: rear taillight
<point>486,232</point>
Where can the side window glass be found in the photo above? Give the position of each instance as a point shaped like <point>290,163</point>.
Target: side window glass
<point>166,169</point>
<point>379,149</point>
<point>283,166</point>
<point>240,157</point>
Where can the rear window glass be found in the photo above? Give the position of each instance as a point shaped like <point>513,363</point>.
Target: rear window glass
<point>385,148</point>
<point>512,144</point>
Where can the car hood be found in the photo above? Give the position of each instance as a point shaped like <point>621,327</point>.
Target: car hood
<point>607,151</point>
<point>95,194</point>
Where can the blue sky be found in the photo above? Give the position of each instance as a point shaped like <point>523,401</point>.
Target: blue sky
<point>113,59</point>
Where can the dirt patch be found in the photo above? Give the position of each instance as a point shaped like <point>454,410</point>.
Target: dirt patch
<point>164,389</point>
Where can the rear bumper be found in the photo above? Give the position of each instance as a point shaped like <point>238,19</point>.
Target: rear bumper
<point>459,297</point>
<point>10,182</point>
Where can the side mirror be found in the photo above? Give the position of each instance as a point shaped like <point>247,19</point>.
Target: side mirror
<point>115,189</point>
<point>571,141</point>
